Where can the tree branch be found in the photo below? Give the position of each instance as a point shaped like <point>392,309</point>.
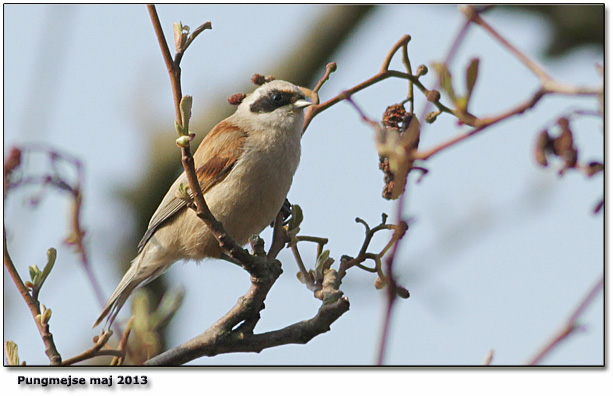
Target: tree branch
<point>43,328</point>
<point>96,350</point>
<point>220,338</point>
<point>202,210</point>
<point>383,74</point>
<point>571,325</point>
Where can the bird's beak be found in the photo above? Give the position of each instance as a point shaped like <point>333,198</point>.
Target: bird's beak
<point>301,103</point>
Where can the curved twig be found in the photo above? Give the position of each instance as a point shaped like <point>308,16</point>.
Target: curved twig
<point>50,348</point>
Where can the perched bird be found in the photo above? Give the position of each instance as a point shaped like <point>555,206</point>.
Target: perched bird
<point>245,167</point>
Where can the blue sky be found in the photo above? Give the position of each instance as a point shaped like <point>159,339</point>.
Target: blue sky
<point>501,250</point>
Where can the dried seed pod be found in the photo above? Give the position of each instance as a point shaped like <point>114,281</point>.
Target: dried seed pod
<point>543,145</point>
<point>564,146</point>
<point>570,157</point>
<point>259,79</point>
<point>236,99</point>
<point>394,116</point>
<point>564,142</point>
<point>395,143</point>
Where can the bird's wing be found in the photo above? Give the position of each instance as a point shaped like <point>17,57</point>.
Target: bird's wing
<point>214,159</point>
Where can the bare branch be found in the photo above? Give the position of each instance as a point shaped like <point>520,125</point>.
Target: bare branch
<point>474,17</point>
<point>202,210</point>
<point>96,350</point>
<point>43,328</point>
<point>216,341</point>
<point>570,326</point>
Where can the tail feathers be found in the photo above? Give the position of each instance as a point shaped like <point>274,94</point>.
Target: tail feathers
<point>118,298</point>
<point>136,276</point>
<point>148,265</point>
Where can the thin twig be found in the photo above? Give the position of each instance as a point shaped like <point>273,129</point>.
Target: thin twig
<point>383,74</point>
<point>407,64</point>
<point>279,237</point>
<point>459,38</point>
<point>330,68</point>
<point>216,341</point>
<point>549,84</point>
<point>571,325</point>
<point>94,351</point>
<point>391,285</point>
<point>388,59</point>
<point>307,278</point>
<point>537,69</point>
<point>171,66</point>
<point>61,182</point>
<point>482,125</point>
<point>242,318</point>
<point>118,360</point>
<point>202,210</point>
<point>50,348</point>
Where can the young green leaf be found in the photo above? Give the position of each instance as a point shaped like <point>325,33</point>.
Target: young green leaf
<point>323,263</point>
<point>51,256</point>
<point>296,218</point>
<point>34,273</point>
<point>472,72</point>
<point>445,79</point>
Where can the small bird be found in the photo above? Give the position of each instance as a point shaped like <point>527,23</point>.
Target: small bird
<point>245,166</point>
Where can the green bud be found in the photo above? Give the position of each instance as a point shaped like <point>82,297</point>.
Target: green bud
<point>186,112</point>
<point>34,273</point>
<point>433,96</point>
<point>422,70</point>
<point>402,292</point>
<point>183,141</point>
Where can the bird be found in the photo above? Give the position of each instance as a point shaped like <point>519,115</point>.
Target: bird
<point>245,166</point>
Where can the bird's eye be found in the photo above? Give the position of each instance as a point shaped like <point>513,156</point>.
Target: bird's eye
<point>277,97</point>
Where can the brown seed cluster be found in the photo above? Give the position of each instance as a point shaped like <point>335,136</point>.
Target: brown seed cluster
<point>236,99</point>
<point>395,117</point>
<point>259,79</point>
<point>562,146</point>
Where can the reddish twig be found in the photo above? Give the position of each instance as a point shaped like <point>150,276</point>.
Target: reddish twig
<point>94,351</point>
<point>173,67</point>
<point>234,331</point>
<point>391,287</point>
<point>202,210</point>
<point>43,328</point>
<point>474,17</point>
<point>548,86</point>
<point>571,324</point>
<point>118,360</point>
<point>459,38</point>
<point>383,74</point>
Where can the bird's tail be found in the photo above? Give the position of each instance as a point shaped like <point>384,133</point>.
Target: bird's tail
<point>129,282</point>
<point>139,274</point>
